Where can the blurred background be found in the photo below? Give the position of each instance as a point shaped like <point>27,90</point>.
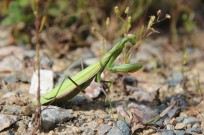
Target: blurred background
<point>71,22</point>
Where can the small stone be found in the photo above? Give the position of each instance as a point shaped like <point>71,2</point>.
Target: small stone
<point>80,122</point>
<point>190,120</point>
<point>151,65</point>
<point>176,79</point>
<point>188,126</point>
<point>110,123</point>
<point>100,120</point>
<point>173,121</point>
<point>180,119</point>
<point>197,130</point>
<point>8,95</point>
<point>159,122</point>
<point>88,131</point>
<point>11,109</point>
<point>180,126</point>
<point>29,53</point>
<point>169,127</point>
<point>53,115</point>
<point>130,80</point>
<point>51,133</point>
<point>11,64</point>
<point>180,132</point>
<point>124,127</point>
<point>144,113</point>
<point>167,121</point>
<point>7,120</point>
<point>77,100</point>
<point>22,127</point>
<point>103,129</point>
<point>148,132</point>
<point>46,82</point>
<point>158,133</point>
<point>46,62</point>
<point>25,75</point>
<point>93,90</point>
<point>196,125</point>
<point>183,114</point>
<point>11,79</point>
<point>115,131</point>
<point>167,132</point>
<point>27,110</point>
<point>115,116</point>
<point>10,132</point>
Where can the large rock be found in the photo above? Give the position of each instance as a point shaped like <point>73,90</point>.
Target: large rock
<point>53,115</point>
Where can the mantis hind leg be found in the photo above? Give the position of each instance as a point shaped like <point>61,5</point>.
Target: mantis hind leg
<point>55,96</point>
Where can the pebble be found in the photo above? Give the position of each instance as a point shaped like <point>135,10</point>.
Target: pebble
<point>187,120</point>
<point>190,120</point>
<point>167,132</point>
<point>151,65</point>
<point>180,126</point>
<point>46,62</point>
<point>144,113</point>
<point>167,121</point>
<point>180,132</point>
<point>148,131</point>
<point>110,123</point>
<point>15,51</point>
<point>159,122</point>
<point>124,127</point>
<point>7,120</point>
<point>115,131</point>
<point>176,79</point>
<point>130,80</point>
<point>22,127</point>
<point>25,75</point>
<point>53,115</point>
<point>11,64</point>
<point>29,53</point>
<point>103,129</point>
<point>77,100</point>
<point>121,128</point>
<point>180,119</point>
<point>8,95</point>
<point>196,125</point>
<point>88,131</point>
<point>100,120</point>
<point>46,82</point>
<point>81,122</point>
<point>93,90</point>
<point>197,130</point>
<point>11,79</point>
<point>169,127</point>
<point>173,121</point>
<point>51,133</point>
<point>11,109</point>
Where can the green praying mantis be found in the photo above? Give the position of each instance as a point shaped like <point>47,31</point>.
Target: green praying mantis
<point>72,86</point>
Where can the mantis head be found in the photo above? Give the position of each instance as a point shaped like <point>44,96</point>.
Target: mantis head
<point>131,38</point>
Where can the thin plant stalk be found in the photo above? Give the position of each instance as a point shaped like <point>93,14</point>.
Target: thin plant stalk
<point>37,46</point>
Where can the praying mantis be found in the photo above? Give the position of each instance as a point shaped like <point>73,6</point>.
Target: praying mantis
<point>72,86</point>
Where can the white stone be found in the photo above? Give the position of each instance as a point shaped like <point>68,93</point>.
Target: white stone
<point>46,82</point>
